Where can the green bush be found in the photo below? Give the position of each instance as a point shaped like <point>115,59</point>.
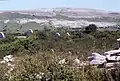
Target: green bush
<point>30,68</point>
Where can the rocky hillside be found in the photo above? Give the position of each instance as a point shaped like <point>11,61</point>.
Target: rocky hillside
<point>58,17</point>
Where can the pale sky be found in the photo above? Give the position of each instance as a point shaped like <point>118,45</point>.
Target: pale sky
<point>108,5</point>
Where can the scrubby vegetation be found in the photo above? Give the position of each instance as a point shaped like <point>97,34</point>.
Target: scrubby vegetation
<point>37,56</point>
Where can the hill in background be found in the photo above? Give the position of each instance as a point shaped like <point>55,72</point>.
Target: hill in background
<point>57,17</point>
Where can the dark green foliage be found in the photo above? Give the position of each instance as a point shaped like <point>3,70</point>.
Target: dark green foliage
<point>44,41</point>
<point>90,28</point>
<point>9,38</point>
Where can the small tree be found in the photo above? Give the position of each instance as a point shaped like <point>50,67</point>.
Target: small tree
<point>90,28</point>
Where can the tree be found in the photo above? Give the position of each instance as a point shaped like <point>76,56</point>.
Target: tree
<point>90,28</point>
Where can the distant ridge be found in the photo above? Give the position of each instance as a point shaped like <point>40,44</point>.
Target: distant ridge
<point>58,17</point>
<point>60,8</point>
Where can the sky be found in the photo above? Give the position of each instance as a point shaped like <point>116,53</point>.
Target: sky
<point>108,5</point>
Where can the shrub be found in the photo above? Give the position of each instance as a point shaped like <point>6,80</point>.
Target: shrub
<point>45,67</point>
<point>90,28</point>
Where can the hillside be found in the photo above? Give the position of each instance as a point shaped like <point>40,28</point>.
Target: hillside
<point>58,54</point>
<point>45,57</point>
<point>67,17</point>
